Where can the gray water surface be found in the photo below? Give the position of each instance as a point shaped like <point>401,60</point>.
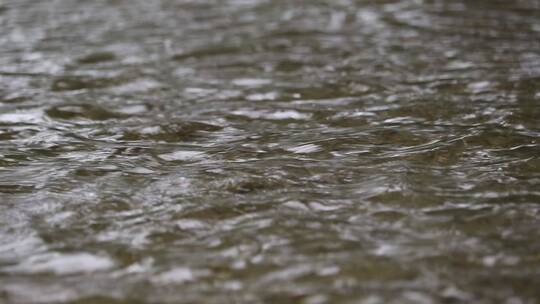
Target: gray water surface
<point>270,151</point>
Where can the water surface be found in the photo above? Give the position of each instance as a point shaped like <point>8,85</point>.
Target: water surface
<point>269,151</point>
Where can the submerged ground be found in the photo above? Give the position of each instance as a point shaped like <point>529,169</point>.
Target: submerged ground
<point>270,151</point>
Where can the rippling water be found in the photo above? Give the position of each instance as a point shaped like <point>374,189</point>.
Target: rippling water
<point>270,151</point>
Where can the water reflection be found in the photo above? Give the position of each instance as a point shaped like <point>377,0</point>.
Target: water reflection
<point>269,151</point>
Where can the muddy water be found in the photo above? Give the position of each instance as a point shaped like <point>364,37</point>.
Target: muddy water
<point>269,151</point>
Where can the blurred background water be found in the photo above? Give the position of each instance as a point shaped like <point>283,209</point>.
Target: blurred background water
<point>269,151</point>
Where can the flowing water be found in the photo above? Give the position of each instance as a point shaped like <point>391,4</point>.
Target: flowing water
<point>270,151</point>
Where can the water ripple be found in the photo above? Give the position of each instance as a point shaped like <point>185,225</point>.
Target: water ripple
<point>269,151</point>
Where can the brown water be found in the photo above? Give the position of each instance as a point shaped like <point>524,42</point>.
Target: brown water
<point>270,151</point>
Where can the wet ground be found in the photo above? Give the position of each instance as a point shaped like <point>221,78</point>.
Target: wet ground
<point>270,151</point>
